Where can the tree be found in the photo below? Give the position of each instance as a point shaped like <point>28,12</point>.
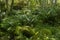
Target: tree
<point>53,2</point>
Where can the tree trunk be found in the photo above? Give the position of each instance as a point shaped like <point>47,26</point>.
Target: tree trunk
<point>53,2</point>
<point>12,3</point>
<point>6,4</point>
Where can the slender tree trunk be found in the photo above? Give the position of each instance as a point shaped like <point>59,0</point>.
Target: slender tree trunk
<point>12,3</point>
<point>6,5</point>
<point>55,1</point>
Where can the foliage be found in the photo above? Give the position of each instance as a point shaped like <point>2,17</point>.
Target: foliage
<point>29,20</point>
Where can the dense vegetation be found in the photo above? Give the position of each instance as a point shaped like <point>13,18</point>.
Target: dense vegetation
<point>29,20</point>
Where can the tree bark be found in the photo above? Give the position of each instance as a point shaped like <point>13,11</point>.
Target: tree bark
<point>12,3</point>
